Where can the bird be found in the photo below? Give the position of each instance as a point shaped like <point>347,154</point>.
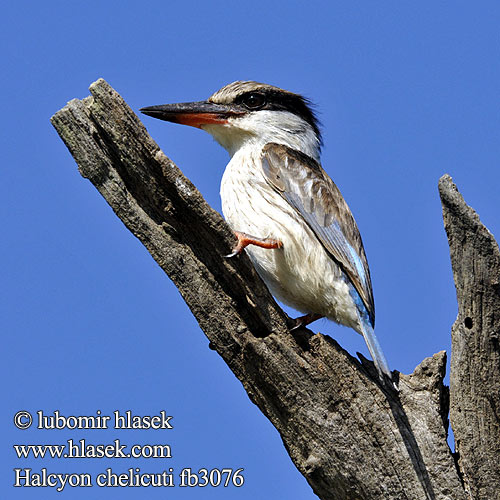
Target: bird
<point>286,212</point>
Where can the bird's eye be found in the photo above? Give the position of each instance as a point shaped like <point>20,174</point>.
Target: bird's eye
<point>254,101</point>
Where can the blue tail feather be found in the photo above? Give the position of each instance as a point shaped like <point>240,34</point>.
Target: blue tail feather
<point>370,338</point>
<point>374,348</point>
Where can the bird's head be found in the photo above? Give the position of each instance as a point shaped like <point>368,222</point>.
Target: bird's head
<point>247,113</point>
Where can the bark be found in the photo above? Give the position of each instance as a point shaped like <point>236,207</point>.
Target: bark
<point>349,436</point>
<point>475,354</point>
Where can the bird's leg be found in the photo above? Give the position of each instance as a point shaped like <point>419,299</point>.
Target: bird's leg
<point>245,239</point>
<point>305,320</point>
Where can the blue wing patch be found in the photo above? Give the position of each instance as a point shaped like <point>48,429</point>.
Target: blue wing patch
<point>307,188</point>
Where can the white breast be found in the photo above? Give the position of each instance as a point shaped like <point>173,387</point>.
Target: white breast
<point>301,273</point>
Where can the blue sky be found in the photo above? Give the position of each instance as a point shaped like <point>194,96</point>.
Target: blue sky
<point>405,91</point>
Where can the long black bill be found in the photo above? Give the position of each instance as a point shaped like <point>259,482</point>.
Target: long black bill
<point>192,113</point>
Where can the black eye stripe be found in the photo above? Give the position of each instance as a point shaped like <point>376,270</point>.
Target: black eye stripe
<point>277,100</point>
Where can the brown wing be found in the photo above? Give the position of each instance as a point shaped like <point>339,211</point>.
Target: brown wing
<point>307,188</point>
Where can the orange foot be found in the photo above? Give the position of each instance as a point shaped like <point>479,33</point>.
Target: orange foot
<point>305,320</point>
<point>245,239</point>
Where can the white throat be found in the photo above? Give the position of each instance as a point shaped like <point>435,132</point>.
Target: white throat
<point>261,127</point>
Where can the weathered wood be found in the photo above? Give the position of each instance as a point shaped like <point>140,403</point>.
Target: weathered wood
<point>475,351</point>
<point>350,438</point>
